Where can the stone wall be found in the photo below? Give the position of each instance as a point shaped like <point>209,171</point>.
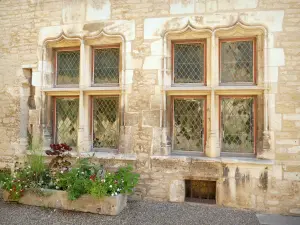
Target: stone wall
<point>269,184</point>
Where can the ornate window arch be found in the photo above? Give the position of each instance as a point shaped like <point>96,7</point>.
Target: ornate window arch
<point>214,90</point>
<point>90,97</point>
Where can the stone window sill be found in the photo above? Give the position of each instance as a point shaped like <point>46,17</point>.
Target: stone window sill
<point>109,155</point>
<point>99,155</point>
<point>222,159</point>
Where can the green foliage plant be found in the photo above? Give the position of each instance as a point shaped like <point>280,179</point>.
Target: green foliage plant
<point>82,178</point>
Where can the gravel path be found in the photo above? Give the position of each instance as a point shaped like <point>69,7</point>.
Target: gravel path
<point>137,212</point>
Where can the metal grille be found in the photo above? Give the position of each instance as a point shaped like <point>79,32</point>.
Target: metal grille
<point>237,62</point>
<point>189,63</point>
<point>237,118</point>
<point>106,66</point>
<point>188,124</point>
<point>68,67</point>
<point>105,122</point>
<point>67,110</point>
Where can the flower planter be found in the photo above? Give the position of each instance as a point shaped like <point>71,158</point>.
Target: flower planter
<point>59,199</point>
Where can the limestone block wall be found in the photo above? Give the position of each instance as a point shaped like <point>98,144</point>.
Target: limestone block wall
<point>30,29</point>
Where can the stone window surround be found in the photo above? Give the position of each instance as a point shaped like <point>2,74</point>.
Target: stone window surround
<point>213,89</point>
<point>85,90</point>
<point>43,67</point>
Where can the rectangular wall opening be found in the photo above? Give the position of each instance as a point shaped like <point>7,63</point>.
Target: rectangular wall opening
<point>201,191</point>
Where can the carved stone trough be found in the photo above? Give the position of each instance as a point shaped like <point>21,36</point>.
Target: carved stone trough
<point>59,199</point>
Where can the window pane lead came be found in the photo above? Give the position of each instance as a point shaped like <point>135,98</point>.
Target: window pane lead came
<point>106,66</point>
<point>238,124</point>
<point>68,63</point>
<point>67,110</point>
<point>188,124</point>
<point>237,62</point>
<point>189,63</point>
<point>105,122</point>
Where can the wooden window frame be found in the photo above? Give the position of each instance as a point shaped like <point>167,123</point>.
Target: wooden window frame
<point>67,49</point>
<point>254,124</point>
<point>54,115</point>
<point>204,97</point>
<point>91,120</point>
<point>193,41</point>
<point>93,64</point>
<point>253,39</point>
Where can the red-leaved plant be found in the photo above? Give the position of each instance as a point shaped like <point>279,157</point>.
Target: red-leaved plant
<point>58,149</point>
<point>61,153</point>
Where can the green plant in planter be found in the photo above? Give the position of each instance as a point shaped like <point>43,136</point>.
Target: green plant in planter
<point>88,178</point>
<point>4,174</point>
<point>82,178</point>
<point>127,180</point>
<point>15,187</point>
<point>33,175</point>
<point>121,182</point>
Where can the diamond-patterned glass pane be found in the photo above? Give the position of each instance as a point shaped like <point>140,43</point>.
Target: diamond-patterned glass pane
<point>106,66</point>
<point>189,63</point>
<point>68,67</point>
<point>237,119</point>
<point>67,110</point>
<point>188,124</point>
<point>105,122</point>
<point>237,62</point>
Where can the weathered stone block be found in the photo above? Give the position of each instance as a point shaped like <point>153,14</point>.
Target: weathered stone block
<point>177,191</point>
<point>97,10</point>
<point>151,118</point>
<point>181,7</point>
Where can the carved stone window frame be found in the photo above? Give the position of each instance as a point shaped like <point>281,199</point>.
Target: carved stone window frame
<point>214,89</point>
<point>85,89</point>
<point>256,89</point>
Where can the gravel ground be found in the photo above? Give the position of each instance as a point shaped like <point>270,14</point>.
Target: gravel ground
<point>137,212</point>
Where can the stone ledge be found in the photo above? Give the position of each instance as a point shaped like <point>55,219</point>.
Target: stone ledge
<point>99,155</point>
<point>227,160</point>
<point>108,155</point>
<point>29,66</point>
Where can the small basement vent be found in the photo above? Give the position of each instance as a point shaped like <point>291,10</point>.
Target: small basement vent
<point>200,191</point>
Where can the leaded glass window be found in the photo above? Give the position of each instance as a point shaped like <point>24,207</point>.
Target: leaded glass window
<point>189,63</point>
<point>106,65</point>
<point>237,61</point>
<point>105,122</point>
<point>188,124</point>
<point>67,67</point>
<point>237,124</point>
<point>66,120</point>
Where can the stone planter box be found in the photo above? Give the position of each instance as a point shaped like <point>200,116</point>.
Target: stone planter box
<point>59,199</point>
